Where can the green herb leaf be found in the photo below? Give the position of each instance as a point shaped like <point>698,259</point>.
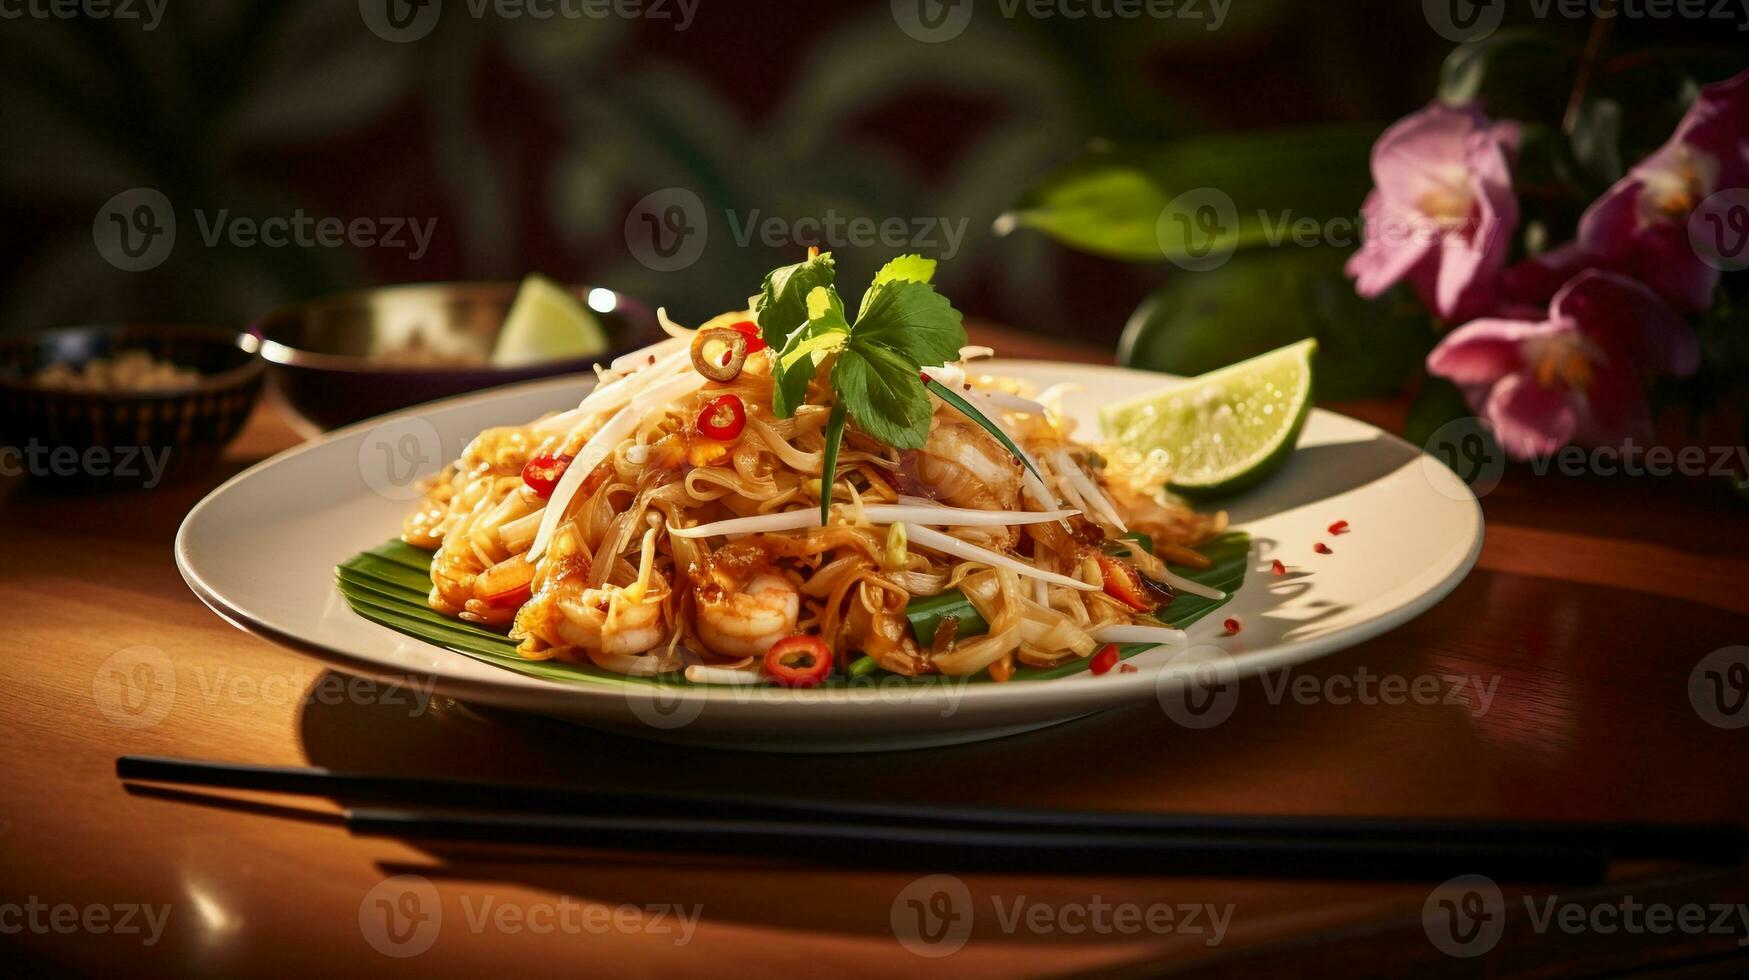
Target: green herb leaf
<point>970,411</point>
<point>796,362</point>
<point>909,268</point>
<point>829,469</point>
<point>912,319</point>
<point>781,306</point>
<point>884,394</point>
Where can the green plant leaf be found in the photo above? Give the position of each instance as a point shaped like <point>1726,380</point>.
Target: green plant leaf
<point>1115,201</point>
<point>374,586</point>
<point>912,268</point>
<point>798,359</point>
<point>912,319</point>
<point>1514,74</point>
<point>829,468</point>
<point>782,304</point>
<point>1438,403</point>
<point>885,395</point>
<point>1263,300</point>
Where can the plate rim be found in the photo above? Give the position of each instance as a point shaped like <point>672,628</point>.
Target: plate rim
<point>532,693</point>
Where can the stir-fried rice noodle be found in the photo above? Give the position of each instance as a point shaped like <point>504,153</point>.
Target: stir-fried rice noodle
<point>614,585</point>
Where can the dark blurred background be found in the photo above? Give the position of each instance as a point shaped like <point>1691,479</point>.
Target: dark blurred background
<point>524,143</point>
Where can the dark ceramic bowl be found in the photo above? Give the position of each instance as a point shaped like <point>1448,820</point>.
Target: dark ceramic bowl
<point>341,358</point>
<point>130,438</point>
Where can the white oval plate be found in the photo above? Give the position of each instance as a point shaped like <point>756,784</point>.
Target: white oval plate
<point>261,550</point>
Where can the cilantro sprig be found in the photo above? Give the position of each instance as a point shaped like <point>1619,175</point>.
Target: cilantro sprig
<point>877,358</point>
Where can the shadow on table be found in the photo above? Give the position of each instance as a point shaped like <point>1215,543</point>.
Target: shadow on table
<point>1078,764</point>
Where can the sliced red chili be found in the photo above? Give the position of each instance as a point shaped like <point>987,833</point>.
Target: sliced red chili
<point>1233,626</point>
<point>1105,659</point>
<point>722,418</point>
<point>543,472</point>
<point>799,661</point>
<point>750,330</point>
<point>1340,527</point>
<point>1124,584</point>
<point>1321,548</point>
<point>1278,567</point>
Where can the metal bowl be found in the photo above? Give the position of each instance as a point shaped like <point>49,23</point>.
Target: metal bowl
<point>125,439</point>
<point>342,358</point>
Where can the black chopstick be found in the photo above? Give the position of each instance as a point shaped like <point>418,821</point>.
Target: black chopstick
<point>1710,843</point>
<point>990,850</point>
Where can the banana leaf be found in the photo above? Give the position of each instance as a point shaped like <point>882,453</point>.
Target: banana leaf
<point>388,585</point>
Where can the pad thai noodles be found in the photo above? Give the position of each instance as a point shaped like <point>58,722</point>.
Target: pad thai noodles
<point>766,499</point>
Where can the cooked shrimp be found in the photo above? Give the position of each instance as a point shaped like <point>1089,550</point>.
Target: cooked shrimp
<point>961,466</point>
<point>609,620</point>
<point>745,621</point>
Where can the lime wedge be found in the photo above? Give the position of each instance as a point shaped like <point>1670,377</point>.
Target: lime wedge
<point>1224,431</point>
<point>546,323</point>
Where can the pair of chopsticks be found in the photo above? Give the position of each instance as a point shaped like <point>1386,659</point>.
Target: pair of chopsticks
<point>963,838</point>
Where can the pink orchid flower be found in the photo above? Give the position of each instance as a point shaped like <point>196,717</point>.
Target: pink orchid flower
<point>1442,212</point>
<point>1578,376</point>
<point>1639,227</point>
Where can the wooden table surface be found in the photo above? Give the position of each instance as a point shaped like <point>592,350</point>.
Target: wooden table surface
<point>1593,603</point>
